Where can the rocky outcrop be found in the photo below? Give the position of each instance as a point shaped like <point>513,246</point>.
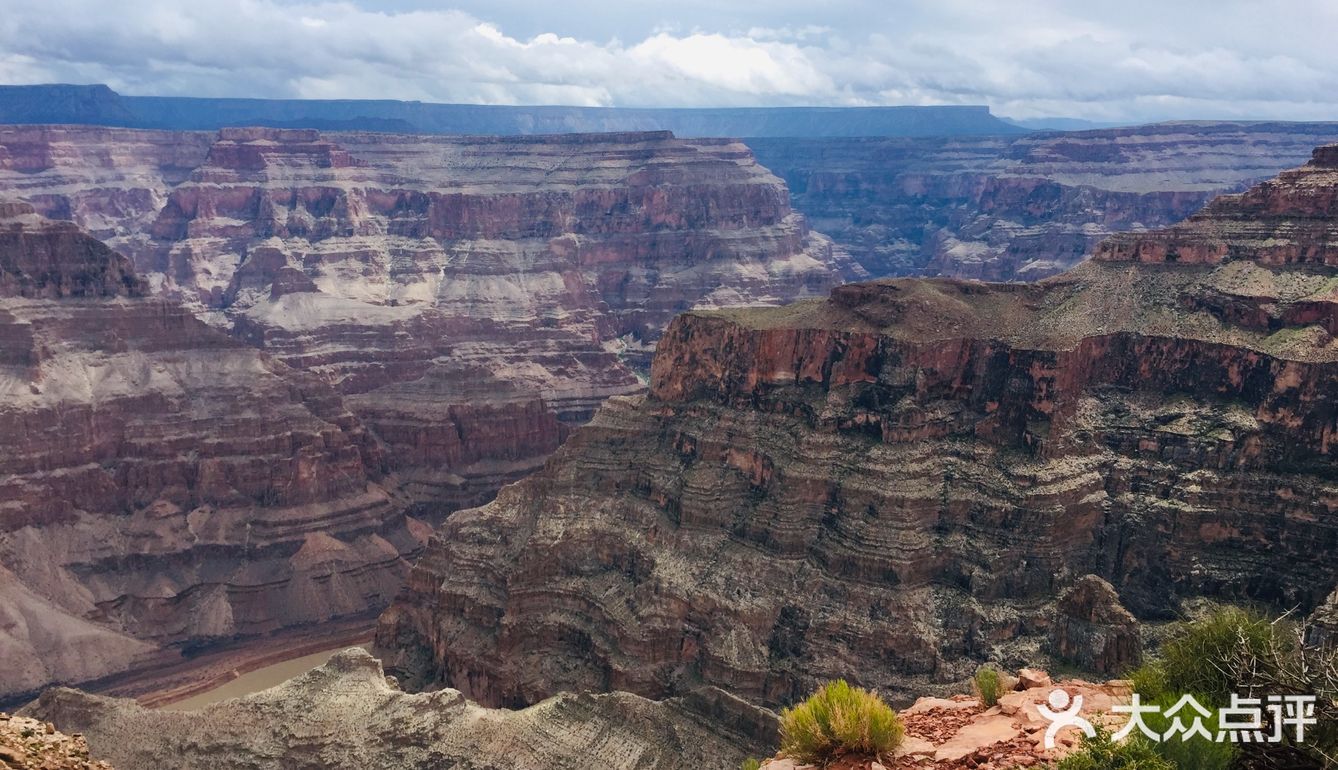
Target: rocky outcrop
<point>41,259</point>
<point>162,484</point>
<point>1021,208</point>
<point>346,715</point>
<point>961,733</point>
<point>1093,631</point>
<point>27,744</point>
<point>474,297</point>
<point>894,484</point>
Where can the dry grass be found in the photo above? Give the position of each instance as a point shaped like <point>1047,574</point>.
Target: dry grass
<point>839,720</point>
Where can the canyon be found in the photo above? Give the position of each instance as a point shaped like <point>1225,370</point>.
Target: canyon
<point>472,298</point>
<point>245,371</point>
<point>1006,208</point>
<point>162,482</point>
<point>896,483</point>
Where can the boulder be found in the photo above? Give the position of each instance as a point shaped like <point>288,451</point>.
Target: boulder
<point>1093,630</point>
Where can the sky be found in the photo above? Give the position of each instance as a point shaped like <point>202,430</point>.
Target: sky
<point>1129,61</point>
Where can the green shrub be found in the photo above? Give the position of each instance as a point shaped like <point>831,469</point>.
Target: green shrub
<point>989,684</point>
<point>1197,753</point>
<point>1196,659</point>
<point>1099,753</point>
<point>751,764</point>
<point>1236,651</point>
<point>836,720</point>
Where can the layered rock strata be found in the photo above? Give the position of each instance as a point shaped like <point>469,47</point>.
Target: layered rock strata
<point>1093,631</point>
<point>162,483</point>
<point>896,483</point>
<point>474,296</point>
<point>1021,208</point>
<point>346,715</point>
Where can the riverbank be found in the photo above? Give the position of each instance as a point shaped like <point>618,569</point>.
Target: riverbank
<point>170,681</point>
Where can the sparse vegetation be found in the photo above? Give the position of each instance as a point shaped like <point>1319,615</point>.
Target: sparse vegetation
<point>838,720</point>
<point>1194,660</point>
<point>990,684</point>
<point>1236,651</point>
<point>751,764</point>
<point>1099,753</point>
<point>1195,753</point>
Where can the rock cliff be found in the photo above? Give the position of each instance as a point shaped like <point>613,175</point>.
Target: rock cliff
<point>345,715</point>
<point>1021,208</point>
<point>896,483</point>
<point>474,297</point>
<point>160,482</point>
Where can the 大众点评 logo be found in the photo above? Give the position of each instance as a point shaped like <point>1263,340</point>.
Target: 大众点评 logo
<point>1243,721</point>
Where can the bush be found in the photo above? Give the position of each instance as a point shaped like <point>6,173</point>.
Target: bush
<point>751,764</point>
<point>1099,753</point>
<point>1196,753</point>
<point>837,720</point>
<point>989,685</point>
<point>1235,651</point>
<point>1196,659</point>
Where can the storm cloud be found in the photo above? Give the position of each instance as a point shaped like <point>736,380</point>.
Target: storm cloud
<point>1117,61</point>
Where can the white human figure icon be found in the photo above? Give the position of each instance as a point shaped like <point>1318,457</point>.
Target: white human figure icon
<point>1064,712</point>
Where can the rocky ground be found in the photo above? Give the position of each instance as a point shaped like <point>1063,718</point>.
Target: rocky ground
<point>30,744</point>
<point>346,714</point>
<point>960,733</point>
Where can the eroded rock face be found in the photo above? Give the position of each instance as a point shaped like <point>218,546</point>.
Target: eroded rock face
<point>345,715</point>
<point>1093,630</point>
<point>895,483</point>
<point>1021,208</point>
<point>161,482</point>
<point>474,296</point>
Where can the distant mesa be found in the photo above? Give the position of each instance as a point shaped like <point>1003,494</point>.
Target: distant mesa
<point>100,105</point>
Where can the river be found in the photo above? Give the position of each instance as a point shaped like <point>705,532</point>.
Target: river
<point>255,681</point>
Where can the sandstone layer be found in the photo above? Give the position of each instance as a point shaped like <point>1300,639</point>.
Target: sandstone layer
<point>474,297</point>
<point>346,715</point>
<point>162,483</point>
<point>895,484</point>
<point>1021,208</point>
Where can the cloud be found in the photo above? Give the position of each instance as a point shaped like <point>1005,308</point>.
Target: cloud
<point>1136,60</point>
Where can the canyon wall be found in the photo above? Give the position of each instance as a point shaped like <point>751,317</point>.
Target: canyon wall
<point>895,484</point>
<point>161,482</point>
<point>1008,208</point>
<point>473,298</point>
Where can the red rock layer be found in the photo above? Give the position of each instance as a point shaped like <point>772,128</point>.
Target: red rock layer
<point>162,483</point>
<point>403,267</point>
<point>896,483</point>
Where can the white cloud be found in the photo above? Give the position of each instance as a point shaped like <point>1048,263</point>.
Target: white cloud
<point>1139,59</point>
